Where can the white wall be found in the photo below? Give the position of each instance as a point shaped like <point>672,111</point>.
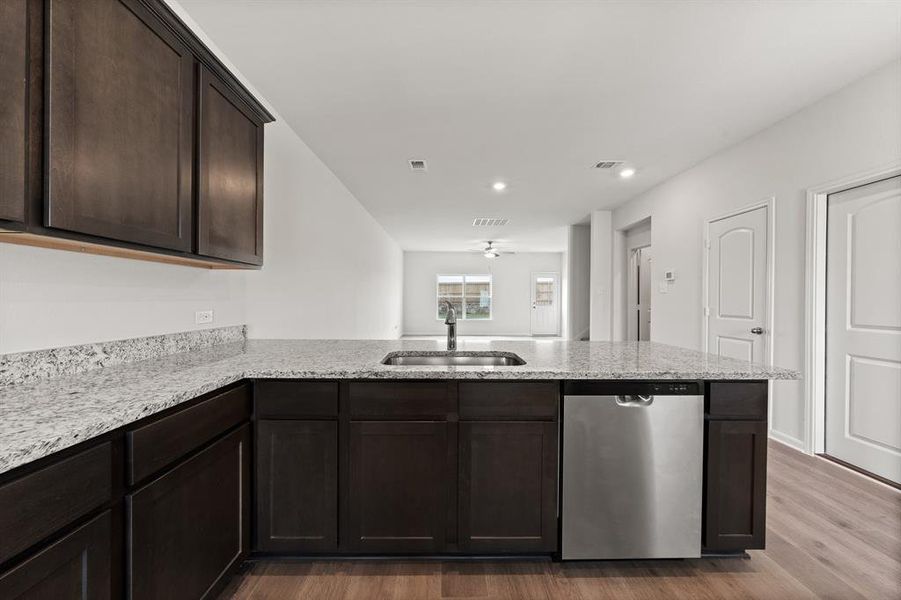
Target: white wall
<point>51,298</point>
<point>330,271</point>
<point>578,282</point>
<point>511,289</point>
<point>602,275</point>
<point>852,131</point>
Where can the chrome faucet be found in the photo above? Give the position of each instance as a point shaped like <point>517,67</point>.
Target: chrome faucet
<point>451,321</point>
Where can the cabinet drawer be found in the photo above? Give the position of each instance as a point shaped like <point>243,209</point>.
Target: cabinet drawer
<point>77,566</point>
<point>407,400</point>
<point>153,446</point>
<point>508,400</point>
<point>296,399</point>
<point>737,400</point>
<point>38,504</point>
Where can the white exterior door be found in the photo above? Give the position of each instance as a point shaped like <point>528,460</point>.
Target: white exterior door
<point>737,286</point>
<point>863,327</point>
<point>545,304</point>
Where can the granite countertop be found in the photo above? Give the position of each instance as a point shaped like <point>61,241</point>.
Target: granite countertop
<point>42,417</point>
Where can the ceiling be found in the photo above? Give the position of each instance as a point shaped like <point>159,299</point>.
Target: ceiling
<point>534,93</point>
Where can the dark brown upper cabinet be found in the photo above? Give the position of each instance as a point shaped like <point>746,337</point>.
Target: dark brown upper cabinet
<point>13,108</point>
<point>230,175</point>
<point>119,124</point>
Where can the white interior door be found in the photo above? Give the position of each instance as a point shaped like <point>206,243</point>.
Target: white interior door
<point>638,326</point>
<point>737,286</point>
<point>863,327</point>
<point>644,294</point>
<point>545,304</point>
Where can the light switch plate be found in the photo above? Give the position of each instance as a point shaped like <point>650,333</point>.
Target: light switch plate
<point>202,317</point>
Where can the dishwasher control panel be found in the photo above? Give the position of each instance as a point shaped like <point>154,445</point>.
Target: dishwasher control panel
<point>642,388</point>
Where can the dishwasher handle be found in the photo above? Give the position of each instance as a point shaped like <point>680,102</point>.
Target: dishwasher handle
<point>636,400</point>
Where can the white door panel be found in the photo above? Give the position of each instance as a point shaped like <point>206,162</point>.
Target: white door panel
<point>734,348</point>
<point>737,286</point>
<point>863,327</point>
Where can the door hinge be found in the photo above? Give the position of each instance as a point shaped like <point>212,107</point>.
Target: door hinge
<point>706,311</point>
<point>707,244</point>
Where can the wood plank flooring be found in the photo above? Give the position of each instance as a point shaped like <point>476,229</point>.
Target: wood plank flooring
<point>831,533</point>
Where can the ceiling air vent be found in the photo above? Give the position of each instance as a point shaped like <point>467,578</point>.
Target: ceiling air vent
<point>608,164</point>
<point>489,221</point>
<point>418,165</point>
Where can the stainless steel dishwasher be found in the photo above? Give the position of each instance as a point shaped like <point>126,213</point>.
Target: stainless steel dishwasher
<point>632,470</point>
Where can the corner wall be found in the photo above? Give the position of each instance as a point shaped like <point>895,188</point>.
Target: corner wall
<point>577,282</point>
<point>851,131</point>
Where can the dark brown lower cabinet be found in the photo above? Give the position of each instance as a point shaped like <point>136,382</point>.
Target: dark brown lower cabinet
<point>508,487</point>
<point>398,487</point>
<point>297,486</point>
<point>75,567</point>
<point>189,527</point>
<point>735,495</point>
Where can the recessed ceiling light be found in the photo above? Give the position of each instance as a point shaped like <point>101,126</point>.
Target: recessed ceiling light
<point>627,172</point>
<point>498,186</point>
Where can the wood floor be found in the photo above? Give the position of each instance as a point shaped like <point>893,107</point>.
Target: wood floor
<point>830,534</point>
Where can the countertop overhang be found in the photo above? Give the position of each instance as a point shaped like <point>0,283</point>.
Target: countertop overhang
<point>40,418</point>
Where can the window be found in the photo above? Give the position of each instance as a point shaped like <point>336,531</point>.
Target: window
<point>544,291</point>
<point>470,296</point>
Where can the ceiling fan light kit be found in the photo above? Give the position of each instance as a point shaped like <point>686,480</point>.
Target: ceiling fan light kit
<point>490,251</point>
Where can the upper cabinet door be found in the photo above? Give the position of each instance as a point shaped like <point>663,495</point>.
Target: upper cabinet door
<point>230,175</point>
<point>120,124</point>
<point>13,108</point>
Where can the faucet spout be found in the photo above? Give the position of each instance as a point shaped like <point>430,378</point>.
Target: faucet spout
<point>451,321</point>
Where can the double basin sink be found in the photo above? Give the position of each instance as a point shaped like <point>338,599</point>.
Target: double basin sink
<point>453,359</point>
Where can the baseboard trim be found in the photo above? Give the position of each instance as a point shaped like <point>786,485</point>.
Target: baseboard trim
<point>788,440</point>
<point>860,471</point>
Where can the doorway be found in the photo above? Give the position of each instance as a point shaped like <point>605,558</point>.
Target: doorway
<point>863,328</point>
<point>545,304</point>
<point>738,285</point>
<point>638,327</point>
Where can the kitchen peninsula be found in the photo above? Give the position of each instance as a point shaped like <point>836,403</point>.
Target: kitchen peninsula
<point>167,473</point>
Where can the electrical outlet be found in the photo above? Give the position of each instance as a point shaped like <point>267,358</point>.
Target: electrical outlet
<point>202,317</point>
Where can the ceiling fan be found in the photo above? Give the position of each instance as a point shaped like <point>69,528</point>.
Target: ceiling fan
<point>490,251</point>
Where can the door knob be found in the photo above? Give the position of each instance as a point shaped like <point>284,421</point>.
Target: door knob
<point>757,330</point>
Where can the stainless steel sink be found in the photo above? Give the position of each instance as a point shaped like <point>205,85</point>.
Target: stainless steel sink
<point>453,359</point>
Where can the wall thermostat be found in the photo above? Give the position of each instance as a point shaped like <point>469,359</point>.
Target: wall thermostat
<point>669,275</point>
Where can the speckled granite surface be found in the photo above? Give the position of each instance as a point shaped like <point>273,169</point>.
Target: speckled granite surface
<point>42,417</point>
<point>31,366</point>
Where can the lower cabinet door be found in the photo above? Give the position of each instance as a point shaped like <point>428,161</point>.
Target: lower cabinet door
<point>735,497</point>
<point>75,567</point>
<point>189,527</point>
<point>398,487</point>
<point>297,486</point>
<point>508,487</point>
